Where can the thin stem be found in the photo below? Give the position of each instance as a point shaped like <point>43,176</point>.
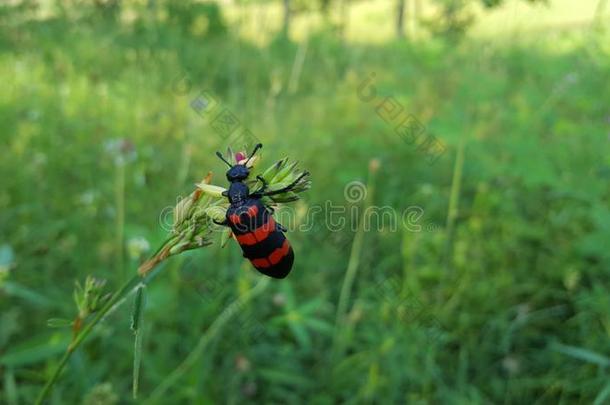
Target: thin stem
<point>352,269</point>
<point>47,388</point>
<point>115,300</point>
<point>297,67</point>
<point>120,218</point>
<point>452,213</point>
<point>136,326</point>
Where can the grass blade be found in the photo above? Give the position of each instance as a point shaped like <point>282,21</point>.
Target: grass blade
<point>603,396</point>
<point>582,354</point>
<point>136,326</point>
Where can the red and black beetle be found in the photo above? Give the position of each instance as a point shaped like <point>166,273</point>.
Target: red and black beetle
<point>262,240</point>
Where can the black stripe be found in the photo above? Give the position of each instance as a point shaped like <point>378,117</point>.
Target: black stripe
<point>248,224</point>
<point>281,269</point>
<point>264,248</point>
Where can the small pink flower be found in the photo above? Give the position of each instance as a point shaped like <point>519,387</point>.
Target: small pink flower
<point>239,156</point>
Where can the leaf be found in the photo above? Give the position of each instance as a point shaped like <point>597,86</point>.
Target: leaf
<point>296,325</point>
<point>320,326</point>
<point>582,354</point>
<point>17,290</point>
<point>285,377</point>
<point>602,396</point>
<point>35,350</point>
<point>7,257</point>
<point>10,387</point>
<point>225,236</point>
<point>136,316</point>
<point>59,323</point>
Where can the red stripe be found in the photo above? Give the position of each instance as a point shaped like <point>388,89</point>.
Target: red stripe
<point>274,258</point>
<point>278,254</point>
<point>260,263</point>
<point>252,211</point>
<point>234,219</point>
<point>260,234</point>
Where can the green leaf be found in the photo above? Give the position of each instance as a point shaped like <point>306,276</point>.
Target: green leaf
<point>35,350</point>
<point>319,326</point>
<point>17,290</point>
<point>285,377</point>
<point>603,395</point>
<point>10,387</point>
<point>59,323</point>
<point>7,257</point>
<point>225,237</point>
<point>139,302</point>
<point>582,354</point>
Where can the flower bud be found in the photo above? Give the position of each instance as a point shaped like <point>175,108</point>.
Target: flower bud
<point>239,156</point>
<point>217,213</point>
<point>90,298</point>
<point>211,190</point>
<point>181,210</point>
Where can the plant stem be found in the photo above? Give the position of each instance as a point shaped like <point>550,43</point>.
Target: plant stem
<point>452,213</point>
<point>297,67</point>
<point>117,297</point>
<point>136,325</point>
<point>120,219</point>
<point>352,268</point>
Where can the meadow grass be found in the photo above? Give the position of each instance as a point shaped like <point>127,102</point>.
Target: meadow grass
<point>516,311</point>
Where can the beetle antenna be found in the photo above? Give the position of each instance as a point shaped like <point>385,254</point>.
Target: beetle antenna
<point>257,147</point>
<point>223,159</point>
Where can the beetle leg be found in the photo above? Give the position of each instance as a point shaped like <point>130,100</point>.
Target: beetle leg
<point>262,180</point>
<point>223,223</point>
<point>259,193</point>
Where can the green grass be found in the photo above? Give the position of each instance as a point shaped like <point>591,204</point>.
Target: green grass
<point>516,311</point>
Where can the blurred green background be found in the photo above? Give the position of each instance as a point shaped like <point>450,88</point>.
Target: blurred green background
<point>497,292</point>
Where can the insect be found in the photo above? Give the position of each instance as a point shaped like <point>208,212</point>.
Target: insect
<point>260,237</point>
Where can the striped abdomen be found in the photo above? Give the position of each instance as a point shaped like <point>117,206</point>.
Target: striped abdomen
<point>260,238</point>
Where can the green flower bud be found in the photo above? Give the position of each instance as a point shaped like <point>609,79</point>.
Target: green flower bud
<point>211,190</point>
<point>217,213</point>
<point>273,170</point>
<point>286,172</point>
<point>90,298</point>
<point>181,211</point>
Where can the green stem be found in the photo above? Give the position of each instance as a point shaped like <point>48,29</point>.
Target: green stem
<point>123,292</point>
<point>352,268</point>
<point>47,388</point>
<point>452,213</point>
<point>120,218</point>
